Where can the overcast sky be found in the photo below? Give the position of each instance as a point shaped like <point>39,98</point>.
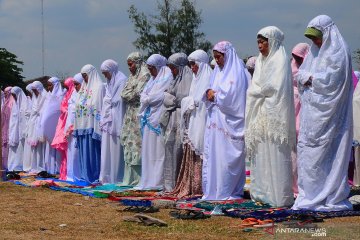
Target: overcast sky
<point>78,32</point>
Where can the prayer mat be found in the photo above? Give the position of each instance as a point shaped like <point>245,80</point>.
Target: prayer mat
<point>231,204</point>
<point>283,214</point>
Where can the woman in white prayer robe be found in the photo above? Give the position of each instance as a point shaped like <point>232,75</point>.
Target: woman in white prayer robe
<point>35,140</point>
<point>326,131</point>
<point>87,123</point>
<point>170,119</point>
<point>27,147</point>
<point>17,130</point>
<point>270,122</point>
<point>224,146</point>
<point>151,108</point>
<point>73,162</point>
<point>192,128</point>
<point>49,122</point>
<point>112,154</point>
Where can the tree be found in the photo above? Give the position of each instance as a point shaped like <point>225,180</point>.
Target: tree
<point>10,72</point>
<point>174,29</point>
<point>357,57</point>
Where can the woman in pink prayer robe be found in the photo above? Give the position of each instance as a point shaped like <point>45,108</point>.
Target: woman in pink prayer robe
<point>5,119</point>
<point>298,53</point>
<point>60,141</point>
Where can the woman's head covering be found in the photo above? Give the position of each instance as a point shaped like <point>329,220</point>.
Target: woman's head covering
<point>312,32</point>
<point>17,124</point>
<point>300,50</point>
<point>136,82</point>
<point>38,86</point>
<point>150,112</point>
<point>232,62</point>
<point>178,89</point>
<point>270,102</point>
<point>333,51</point>
<point>16,90</point>
<point>182,81</point>
<point>52,111</point>
<point>178,59</point>
<point>230,84</point>
<point>109,66</point>
<point>113,107</point>
<point>275,39</point>
<point>78,78</point>
<point>57,89</point>
<point>138,59</point>
<point>35,134</point>
<point>69,83</point>
<point>157,61</point>
<point>193,104</point>
<point>59,141</point>
<point>29,89</point>
<point>135,57</point>
<point>199,56</point>
<point>250,63</point>
<point>202,79</point>
<point>89,103</point>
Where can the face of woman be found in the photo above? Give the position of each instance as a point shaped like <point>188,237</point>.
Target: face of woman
<point>132,66</point>
<point>153,71</point>
<point>219,58</point>
<point>36,92</point>
<point>66,87</point>
<point>298,59</point>
<point>263,46</point>
<point>194,67</point>
<point>317,41</point>
<point>14,96</point>
<point>29,93</point>
<point>50,86</point>
<point>77,86</point>
<point>85,77</point>
<point>107,75</point>
<point>174,70</point>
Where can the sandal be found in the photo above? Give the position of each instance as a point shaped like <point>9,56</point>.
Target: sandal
<point>13,176</point>
<point>150,221</point>
<point>131,219</point>
<point>140,209</point>
<point>188,214</point>
<point>265,223</point>
<point>45,174</point>
<point>249,222</point>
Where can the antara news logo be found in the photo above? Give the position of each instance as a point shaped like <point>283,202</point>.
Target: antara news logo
<point>306,227</point>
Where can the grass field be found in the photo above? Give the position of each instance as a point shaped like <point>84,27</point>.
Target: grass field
<point>41,213</point>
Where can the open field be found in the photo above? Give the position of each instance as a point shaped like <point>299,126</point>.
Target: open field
<point>41,213</point>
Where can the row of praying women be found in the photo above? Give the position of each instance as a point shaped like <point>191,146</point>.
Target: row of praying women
<point>180,126</point>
